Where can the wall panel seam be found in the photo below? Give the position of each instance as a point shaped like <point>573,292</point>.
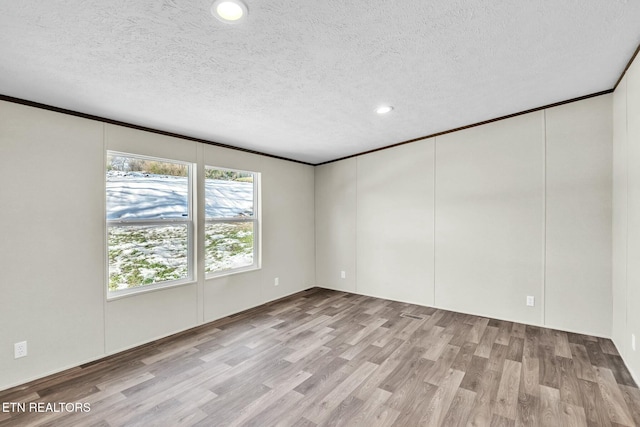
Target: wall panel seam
<point>435,162</point>
<point>626,209</point>
<point>355,240</point>
<point>104,243</point>
<point>544,220</point>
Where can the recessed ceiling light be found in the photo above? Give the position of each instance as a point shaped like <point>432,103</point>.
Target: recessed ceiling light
<point>384,109</point>
<point>229,11</point>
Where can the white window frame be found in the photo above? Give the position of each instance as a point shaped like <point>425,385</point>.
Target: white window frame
<point>188,221</point>
<point>255,219</point>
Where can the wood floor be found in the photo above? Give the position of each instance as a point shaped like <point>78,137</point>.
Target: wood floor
<point>330,358</point>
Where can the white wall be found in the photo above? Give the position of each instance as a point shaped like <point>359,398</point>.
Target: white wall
<point>395,223</point>
<point>633,215</point>
<point>619,249</point>
<point>489,218</point>
<point>626,220</point>
<point>336,225</point>
<point>52,279</point>
<point>288,246</point>
<point>578,210</point>
<point>514,201</point>
<point>52,241</point>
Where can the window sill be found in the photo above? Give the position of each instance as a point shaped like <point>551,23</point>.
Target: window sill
<point>226,273</point>
<point>131,292</point>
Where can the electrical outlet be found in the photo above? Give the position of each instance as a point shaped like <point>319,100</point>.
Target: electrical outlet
<point>633,342</point>
<point>19,349</point>
<point>343,274</point>
<point>531,301</point>
<point>276,281</point>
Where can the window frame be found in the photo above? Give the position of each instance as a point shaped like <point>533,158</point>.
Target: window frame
<point>189,221</point>
<point>255,219</point>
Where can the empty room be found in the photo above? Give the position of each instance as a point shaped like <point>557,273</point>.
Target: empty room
<point>252,213</point>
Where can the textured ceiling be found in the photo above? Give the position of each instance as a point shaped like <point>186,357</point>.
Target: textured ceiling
<point>300,79</point>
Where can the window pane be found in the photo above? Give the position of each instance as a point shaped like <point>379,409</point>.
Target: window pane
<point>228,194</point>
<point>143,255</point>
<point>146,189</point>
<point>228,245</point>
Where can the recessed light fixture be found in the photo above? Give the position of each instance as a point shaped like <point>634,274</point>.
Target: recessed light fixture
<point>384,109</point>
<point>229,11</point>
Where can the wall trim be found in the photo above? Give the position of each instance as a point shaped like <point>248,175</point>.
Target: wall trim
<point>218,144</point>
<point>138,127</point>
<point>627,67</point>
<point>509,116</point>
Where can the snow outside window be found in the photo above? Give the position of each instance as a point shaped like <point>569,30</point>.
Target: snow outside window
<point>149,222</point>
<point>231,220</point>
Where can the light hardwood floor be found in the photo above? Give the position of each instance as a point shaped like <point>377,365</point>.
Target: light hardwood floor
<point>324,357</point>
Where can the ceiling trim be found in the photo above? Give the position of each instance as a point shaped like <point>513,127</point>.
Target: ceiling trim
<point>218,144</point>
<point>143,128</point>
<point>544,107</point>
<point>627,67</point>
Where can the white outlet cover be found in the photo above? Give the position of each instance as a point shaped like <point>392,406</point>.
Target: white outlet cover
<point>531,301</point>
<point>343,274</point>
<point>20,349</point>
<point>276,282</point>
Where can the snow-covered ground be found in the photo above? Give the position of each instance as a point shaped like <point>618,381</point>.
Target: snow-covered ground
<point>142,255</point>
<point>135,195</point>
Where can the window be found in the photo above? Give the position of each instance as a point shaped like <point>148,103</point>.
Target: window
<point>149,222</point>
<point>231,221</point>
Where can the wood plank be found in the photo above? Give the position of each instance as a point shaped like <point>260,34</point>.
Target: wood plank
<point>548,366</point>
<point>632,399</point>
<point>581,363</point>
<point>596,356</point>
<point>318,412</point>
<point>475,373</point>
<point>486,342</point>
<point>437,346</point>
<point>477,330</point>
<point>487,389</point>
<point>464,357</point>
<point>497,357</point>
<point>403,369</point>
<point>530,376</point>
<point>370,328</point>
<point>569,386</point>
<point>506,403</point>
<point>549,406</point>
<point>518,330</point>
<point>562,345</point>
<point>439,370</point>
<point>498,421</point>
<point>531,341</point>
<point>620,371</point>
<point>346,410</point>
<point>615,404</point>
<point>460,407</point>
<point>369,410</point>
<point>504,332</point>
<point>442,399</point>
<point>595,410</point>
<point>528,410</point>
<point>280,389</point>
<point>607,346</point>
<point>515,349</point>
<point>572,415</point>
<point>275,412</point>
